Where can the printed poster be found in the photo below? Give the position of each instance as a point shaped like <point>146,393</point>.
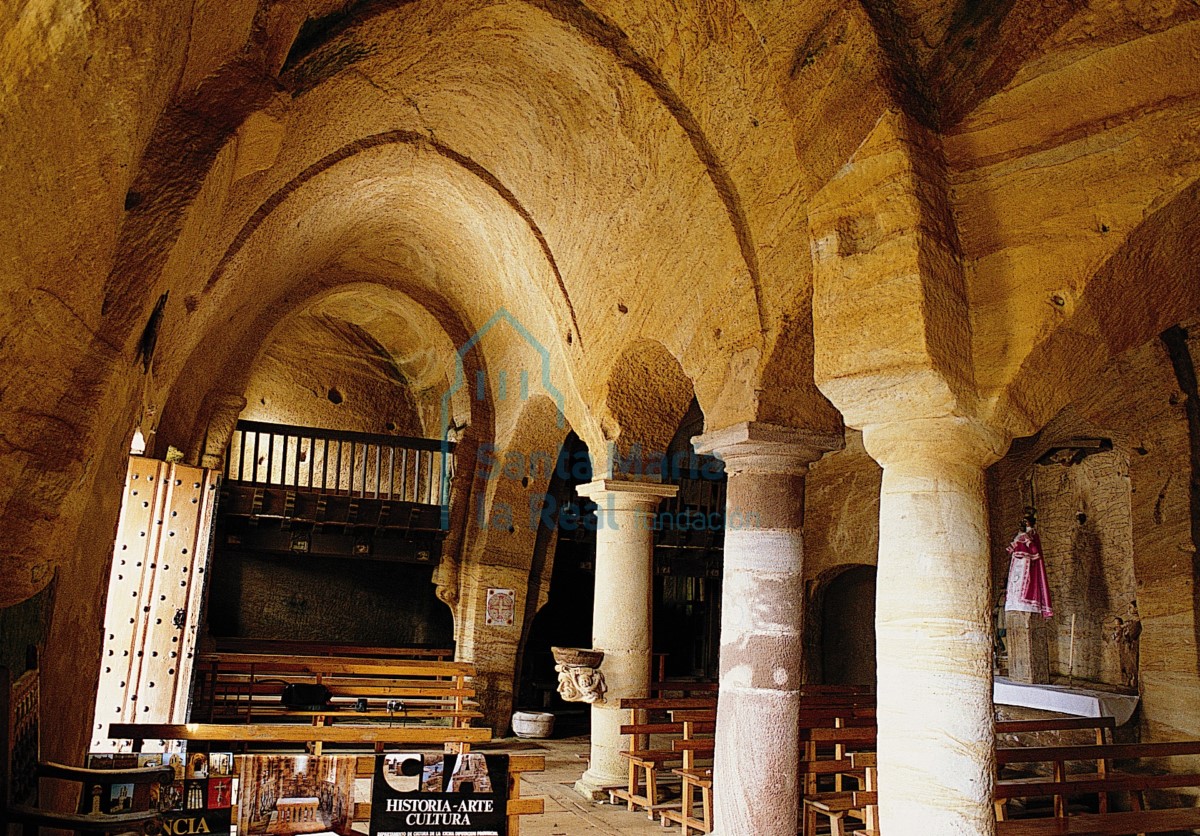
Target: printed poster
<point>440,795</point>
<point>292,794</point>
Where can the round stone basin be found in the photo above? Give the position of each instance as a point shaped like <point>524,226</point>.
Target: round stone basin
<point>582,656</point>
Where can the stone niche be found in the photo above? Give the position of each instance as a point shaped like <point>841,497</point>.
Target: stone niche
<point>1080,489</point>
<point>1086,526</point>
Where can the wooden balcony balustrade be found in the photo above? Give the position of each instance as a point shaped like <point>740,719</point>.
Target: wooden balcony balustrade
<point>364,465</point>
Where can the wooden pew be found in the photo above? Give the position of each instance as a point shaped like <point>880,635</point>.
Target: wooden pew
<point>642,789</point>
<point>248,687</point>
<point>820,704</point>
<point>692,782</point>
<point>867,799</point>
<point>1103,784</point>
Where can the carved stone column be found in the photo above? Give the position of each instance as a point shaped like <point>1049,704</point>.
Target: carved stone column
<point>621,616</point>
<point>933,627</point>
<point>757,748</point>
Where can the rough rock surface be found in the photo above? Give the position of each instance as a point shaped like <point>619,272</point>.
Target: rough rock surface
<point>805,215</point>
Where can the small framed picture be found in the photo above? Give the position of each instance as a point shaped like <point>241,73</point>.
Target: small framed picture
<point>220,764</point>
<point>120,798</point>
<point>197,765</point>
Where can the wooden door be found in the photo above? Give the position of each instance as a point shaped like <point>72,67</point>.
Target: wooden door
<point>155,593</point>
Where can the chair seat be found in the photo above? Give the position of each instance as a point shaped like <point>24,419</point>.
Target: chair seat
<point>832,802</point>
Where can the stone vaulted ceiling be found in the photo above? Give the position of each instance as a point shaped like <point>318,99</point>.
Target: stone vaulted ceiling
<point>609,173</point>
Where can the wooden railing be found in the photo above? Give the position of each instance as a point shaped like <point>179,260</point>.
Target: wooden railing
<point>366,465</point>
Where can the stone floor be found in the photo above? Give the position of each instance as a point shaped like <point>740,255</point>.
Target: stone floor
<point>567,812</point>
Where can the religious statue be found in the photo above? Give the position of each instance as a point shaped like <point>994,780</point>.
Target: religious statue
<point>1028,589</point>
<point>1126,633</point>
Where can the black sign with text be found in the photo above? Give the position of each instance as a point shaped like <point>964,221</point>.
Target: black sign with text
<point>440,795</point>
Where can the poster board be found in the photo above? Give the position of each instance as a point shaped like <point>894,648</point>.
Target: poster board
<point>199,801</point>
<point>440,795</point>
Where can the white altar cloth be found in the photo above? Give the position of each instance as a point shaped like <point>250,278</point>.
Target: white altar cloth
<point>1081,702</point>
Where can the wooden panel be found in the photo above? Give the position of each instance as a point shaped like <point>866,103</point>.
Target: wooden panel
<point>1107,824</point>
<point>525,806</point>
<point>283,733</point>
<point>167,657</point>
<point>129,585</point>
<point>155,592</point>
<point>1112,751</point>
<point>344,665</point>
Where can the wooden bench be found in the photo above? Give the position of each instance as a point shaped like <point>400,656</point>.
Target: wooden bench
<point>644,762</point>
<point>1102,784</point>
<point>865,801</point>
<point>642,788</point>
<point>692,782</point>
<point>248,687</point>
<point>820,704</point>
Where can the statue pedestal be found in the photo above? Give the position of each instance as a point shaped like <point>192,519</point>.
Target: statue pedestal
<point>1027,636</point>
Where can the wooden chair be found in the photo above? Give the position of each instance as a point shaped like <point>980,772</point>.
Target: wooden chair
<point>832,807</point>
<point>1101,727</point>
<point>21,770</point>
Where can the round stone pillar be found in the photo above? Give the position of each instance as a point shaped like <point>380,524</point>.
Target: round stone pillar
<point>933,627</point>
<point>621,616</point>
<point>757,750</point>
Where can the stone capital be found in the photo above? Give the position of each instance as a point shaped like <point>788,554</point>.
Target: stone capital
<point>754,446</point>
<point>625,494</point>
<point>950,439</point>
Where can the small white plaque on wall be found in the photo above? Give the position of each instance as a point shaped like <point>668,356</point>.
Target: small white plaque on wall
<point>501,607</point>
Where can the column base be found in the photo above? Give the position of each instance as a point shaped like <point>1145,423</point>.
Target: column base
<point>596,787</point>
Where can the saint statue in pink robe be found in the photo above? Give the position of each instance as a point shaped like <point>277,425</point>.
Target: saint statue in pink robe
<point>1028,590</point>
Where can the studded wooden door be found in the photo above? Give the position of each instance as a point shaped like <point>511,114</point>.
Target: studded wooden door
<point>155,593</point>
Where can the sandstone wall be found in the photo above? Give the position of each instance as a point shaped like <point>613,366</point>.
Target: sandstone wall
<point>327,599</point>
